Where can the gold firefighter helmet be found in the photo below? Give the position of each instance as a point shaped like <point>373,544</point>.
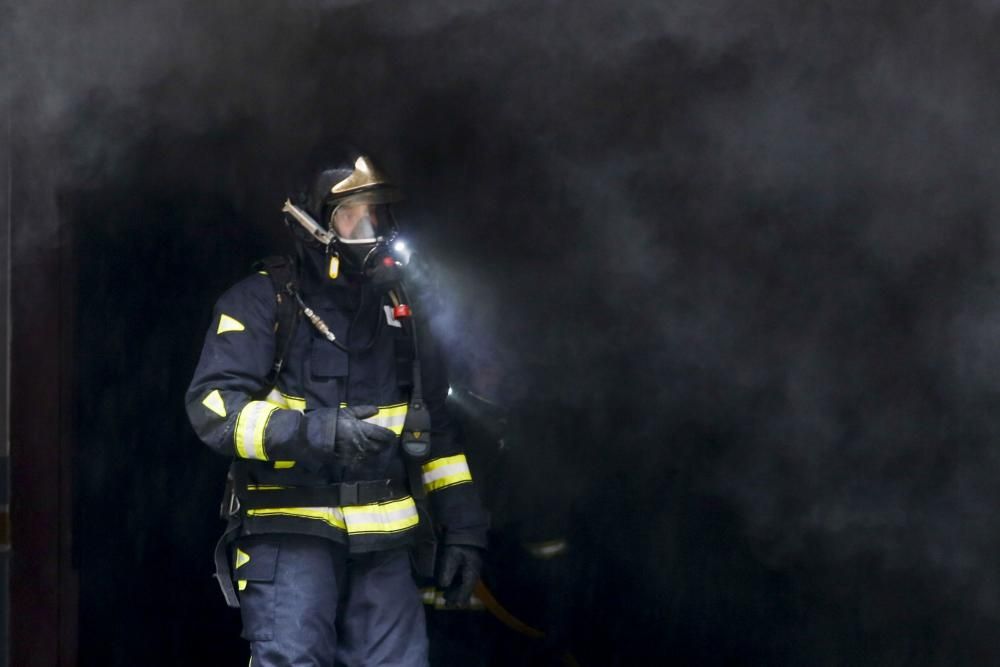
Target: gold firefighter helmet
<point>354,181</point>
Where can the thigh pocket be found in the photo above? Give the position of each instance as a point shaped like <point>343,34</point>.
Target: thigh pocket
<point>254,569</point>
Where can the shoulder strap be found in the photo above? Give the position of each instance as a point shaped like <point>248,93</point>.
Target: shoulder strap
<point>282,272</point>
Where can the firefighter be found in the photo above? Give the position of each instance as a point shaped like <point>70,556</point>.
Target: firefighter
<point>327,390</point>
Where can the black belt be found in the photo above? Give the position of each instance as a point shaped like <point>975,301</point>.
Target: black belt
<point>330,495</point>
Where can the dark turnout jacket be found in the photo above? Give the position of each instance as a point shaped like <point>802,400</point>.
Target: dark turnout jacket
<point>266,425</point>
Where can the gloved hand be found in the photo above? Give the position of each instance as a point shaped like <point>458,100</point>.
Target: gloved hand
<point>458,569</point>
<point>356,440</point>
<point>332,433</point>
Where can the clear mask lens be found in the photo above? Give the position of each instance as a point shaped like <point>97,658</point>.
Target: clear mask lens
<point>356,223</point>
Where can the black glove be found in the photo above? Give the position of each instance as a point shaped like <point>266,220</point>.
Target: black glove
<point>332,433</point>
<point>356,440</point>
<point>458,571</point>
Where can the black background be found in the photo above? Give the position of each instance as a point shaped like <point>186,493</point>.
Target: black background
<point>737,263</point>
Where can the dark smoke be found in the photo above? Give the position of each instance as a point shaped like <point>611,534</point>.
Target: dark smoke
<point>747,251</point>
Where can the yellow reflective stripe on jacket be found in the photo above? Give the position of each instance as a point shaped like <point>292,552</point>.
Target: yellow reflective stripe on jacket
<point>386,517</point>
<point>446,471</point>
<point>391,417</point>
<point>331,515</point>
<point>249,432</point>
<point>286,401</point>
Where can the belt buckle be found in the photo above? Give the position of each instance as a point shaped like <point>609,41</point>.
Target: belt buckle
<point>349,493</point>
<point>234,504</point>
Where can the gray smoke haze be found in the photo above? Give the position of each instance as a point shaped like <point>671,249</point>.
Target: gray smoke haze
<point>775,221</point>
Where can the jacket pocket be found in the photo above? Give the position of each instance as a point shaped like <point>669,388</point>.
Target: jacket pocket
<point>256,563</point>
<point>326,360</point>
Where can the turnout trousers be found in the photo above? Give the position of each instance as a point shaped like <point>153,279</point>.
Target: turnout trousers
<point>307,602</point>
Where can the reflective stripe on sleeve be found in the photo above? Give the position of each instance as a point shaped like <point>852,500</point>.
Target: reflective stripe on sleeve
<point>285,401</point>
<point>446,471</point>
<point>249,432</point>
